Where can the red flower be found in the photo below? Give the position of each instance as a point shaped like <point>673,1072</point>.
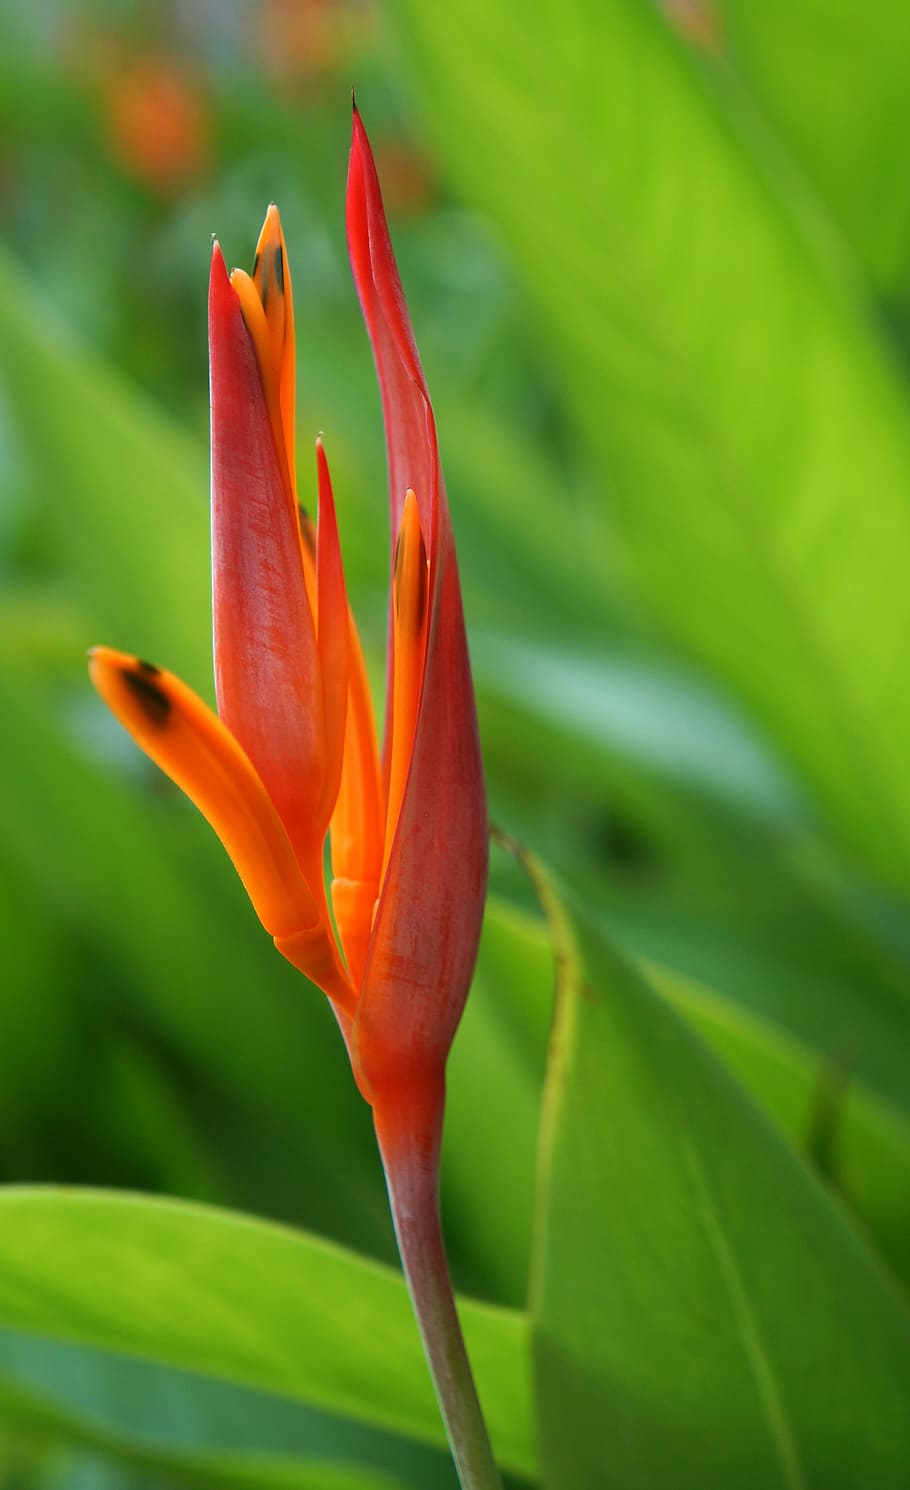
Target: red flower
<point>291,754</point>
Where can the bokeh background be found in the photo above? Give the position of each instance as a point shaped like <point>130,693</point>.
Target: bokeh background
<point>658,263</point>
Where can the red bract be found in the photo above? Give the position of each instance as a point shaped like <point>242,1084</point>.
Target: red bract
<point>292,753</point>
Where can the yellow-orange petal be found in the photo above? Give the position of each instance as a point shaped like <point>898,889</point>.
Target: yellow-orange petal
<point>314,952</point>
<point>187,740</point>
<point>354,903</point>
<point>358,821</point>
<point>410,584</point>
<point>257,325</point>
<point>268,313</point>
<point>272,279</point>
<point>331,636</point>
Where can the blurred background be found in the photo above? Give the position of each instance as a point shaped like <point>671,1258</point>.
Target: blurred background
<point>657,262</point>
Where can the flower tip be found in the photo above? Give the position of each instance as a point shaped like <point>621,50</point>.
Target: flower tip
<point>271,226</point>
<point>106,669</point>
<point>360,140</point>
<point>322,473</point>
<point>98,659</point>
<point>219,267</point>
<point>104,664</point>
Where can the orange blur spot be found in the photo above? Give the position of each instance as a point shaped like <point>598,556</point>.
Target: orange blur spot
<point>157,123</point>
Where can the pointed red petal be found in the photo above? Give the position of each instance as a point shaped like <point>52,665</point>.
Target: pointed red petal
<point>410,431</point>
<point>427,927</point>
<point>266,665</point>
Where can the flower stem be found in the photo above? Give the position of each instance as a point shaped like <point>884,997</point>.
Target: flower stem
<point>411,1167</point>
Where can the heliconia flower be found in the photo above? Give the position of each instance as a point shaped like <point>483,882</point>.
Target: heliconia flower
<point>291,755</point>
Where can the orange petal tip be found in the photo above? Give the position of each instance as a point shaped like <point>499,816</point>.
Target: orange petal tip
<point>188,741</point>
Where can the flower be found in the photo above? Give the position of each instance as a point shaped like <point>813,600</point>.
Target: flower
<point>291,754</point>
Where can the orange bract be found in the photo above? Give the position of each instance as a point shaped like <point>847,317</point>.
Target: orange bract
<point>292,753</point>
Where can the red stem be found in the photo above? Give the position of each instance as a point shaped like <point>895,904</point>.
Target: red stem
<point>409,1134</point>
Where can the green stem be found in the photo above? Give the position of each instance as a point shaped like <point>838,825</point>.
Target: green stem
<point>411,1169</point>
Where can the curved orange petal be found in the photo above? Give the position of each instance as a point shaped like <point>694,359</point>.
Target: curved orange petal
<point>188,741</point>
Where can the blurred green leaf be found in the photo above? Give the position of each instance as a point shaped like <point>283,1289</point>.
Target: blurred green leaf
<point>676,217</point>
<point>702,1312</point>
<point>739,403</point>
<point>119,492</point>
<point>859,1145</point>
<point>832,81</point>
<point>29,1418</point>
<point>499,1053</point>
<point>752,925</point>
<point>35,1022</point>
<point>248,1302</point>
<point>733,898</point>
<point>188,1426</point>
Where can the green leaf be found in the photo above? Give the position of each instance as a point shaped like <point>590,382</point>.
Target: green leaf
<point>35,1022</point>
<point>190,1428</point>
<point>758,931</point>
<point>28,1417</point>
<point>832,80</point>
<point>499,1051</point>
<point>120,491</point>
<point>723,896</point>
<point>702,1311</point>
<point>860,1145</point>
<point>247,1302</point>
<point>739,404</point>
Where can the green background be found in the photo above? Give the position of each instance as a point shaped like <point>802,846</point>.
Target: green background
<point>658,264</point>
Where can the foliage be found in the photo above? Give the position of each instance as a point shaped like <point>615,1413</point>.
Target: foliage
<point>657,259</point>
